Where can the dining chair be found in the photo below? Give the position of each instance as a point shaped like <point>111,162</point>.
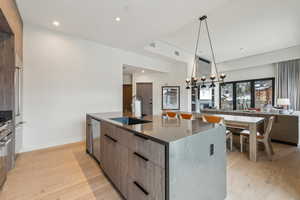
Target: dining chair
<point>219,120</point>
<point>171,114</point>
<point>264,138</point>
<point>186,116</point>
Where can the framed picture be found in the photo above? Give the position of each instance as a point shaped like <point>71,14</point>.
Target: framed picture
<point>170,97</point>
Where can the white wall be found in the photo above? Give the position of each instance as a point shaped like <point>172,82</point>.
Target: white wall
<point>66,77</point>
<point>176,77</point>
<point>262,59</point>
<point>264,71</point>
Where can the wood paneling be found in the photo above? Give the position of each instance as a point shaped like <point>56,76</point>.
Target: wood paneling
<point>7,74</point>
<point>13,17</point>
<point>127,98</point>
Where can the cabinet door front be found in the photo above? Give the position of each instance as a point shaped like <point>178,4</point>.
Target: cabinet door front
<point>121,157</point>
<point>149,176</point>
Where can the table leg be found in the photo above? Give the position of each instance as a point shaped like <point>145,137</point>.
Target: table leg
<point>253,142</point>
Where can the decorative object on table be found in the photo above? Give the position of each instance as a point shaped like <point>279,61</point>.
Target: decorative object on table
<point>284,102</point>
<point>193,82</point>
<point>170,98</point>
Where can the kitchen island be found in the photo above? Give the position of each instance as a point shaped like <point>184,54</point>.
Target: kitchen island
<point>160,159</point>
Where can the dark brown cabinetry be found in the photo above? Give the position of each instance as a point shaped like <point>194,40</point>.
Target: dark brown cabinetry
<point>135,165</point>
<point>10,11</point>
<point>147,175</point>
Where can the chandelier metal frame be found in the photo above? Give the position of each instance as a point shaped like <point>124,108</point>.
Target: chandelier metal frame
<point>214,78</point>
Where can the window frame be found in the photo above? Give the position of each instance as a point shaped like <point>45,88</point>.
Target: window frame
<point>252,85</point>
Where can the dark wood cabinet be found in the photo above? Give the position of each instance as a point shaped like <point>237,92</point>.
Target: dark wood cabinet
<point>121,157</point>
<point>130,163</point>
<point>148,175</point>
<point>108,152</point>
<point>114,157</point>
<point>10,12</point>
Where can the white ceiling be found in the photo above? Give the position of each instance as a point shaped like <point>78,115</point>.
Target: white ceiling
<point>141,20</point>
<point>128,69</point>
<point>256,25</point>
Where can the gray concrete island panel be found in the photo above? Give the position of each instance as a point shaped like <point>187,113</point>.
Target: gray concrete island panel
<point>186,158</point>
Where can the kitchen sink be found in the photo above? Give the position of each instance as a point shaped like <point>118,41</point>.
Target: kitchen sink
<point>130,120</point>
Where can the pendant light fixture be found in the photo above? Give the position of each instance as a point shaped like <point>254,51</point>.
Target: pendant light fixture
<point>214,78</point>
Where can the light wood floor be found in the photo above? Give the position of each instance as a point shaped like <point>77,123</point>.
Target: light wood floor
<point>68,173</point>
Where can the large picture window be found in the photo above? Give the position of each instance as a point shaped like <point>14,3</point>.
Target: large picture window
<point>244,95</point>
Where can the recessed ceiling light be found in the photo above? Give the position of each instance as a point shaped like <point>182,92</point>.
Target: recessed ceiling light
<point>118,19</point>
<point>143,71</point>
<point>56,23</point>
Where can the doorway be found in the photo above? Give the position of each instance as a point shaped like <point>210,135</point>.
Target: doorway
<point>127,99</point>
<point>144,91</point>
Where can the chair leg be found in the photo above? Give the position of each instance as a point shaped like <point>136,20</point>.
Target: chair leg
<point>268,149</point>
<point>241,142</point>
<point>231,142</point>
<point>271,147</point>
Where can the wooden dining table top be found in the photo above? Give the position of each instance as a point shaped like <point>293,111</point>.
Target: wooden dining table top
<point>241,119</point>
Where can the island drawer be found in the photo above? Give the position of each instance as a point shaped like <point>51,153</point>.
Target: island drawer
<point>123,136</point>
<point>136,191</point>
<point>149,177</point>
<point>108,130</point>
<point>153,151</point>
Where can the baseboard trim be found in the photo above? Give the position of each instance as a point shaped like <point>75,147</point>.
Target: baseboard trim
<point>288,143</point>
<point>50,145</point>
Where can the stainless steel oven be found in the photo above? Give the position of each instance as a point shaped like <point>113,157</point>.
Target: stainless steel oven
<point>6,148</point>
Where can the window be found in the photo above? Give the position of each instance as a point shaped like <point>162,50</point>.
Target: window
<point>263,93</point>
<point>226,96</point>
<point>242,95</point>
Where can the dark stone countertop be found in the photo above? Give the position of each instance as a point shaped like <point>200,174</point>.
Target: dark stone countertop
<point>160,129</point>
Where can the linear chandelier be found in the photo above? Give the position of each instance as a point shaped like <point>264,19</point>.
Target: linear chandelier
<point>214,78</point>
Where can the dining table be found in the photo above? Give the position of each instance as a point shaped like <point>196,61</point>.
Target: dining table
<point>245,122</point>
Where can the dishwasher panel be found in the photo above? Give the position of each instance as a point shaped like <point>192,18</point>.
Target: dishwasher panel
<point>96,132</point>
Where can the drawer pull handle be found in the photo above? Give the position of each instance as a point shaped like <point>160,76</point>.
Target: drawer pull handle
<point>140,136</point>
<point>109,137</point>
<point>141,188</point>
<point>140,156</point>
